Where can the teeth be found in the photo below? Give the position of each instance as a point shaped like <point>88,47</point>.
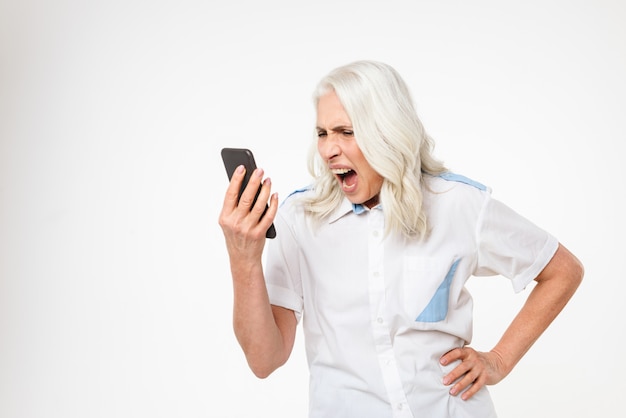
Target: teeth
<point>341,170</point>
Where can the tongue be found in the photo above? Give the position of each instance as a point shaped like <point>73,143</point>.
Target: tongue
<point>349,180</point>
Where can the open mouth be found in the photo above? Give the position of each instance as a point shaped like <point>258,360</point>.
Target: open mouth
<point>346,176</point>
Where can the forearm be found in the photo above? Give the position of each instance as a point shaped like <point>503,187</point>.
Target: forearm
<point>554,288</point>
<point>253,321</point>
<point>534,318</point>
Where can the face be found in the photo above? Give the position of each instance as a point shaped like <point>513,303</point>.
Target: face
<point>338,148</point>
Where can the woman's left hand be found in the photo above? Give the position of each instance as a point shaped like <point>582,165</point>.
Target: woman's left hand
<point>475,370</point>
<point>555,285</point>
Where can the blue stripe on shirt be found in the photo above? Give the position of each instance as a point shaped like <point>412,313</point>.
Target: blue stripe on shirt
<point>449,176</point>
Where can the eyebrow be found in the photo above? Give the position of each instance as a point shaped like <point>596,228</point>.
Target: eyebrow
<point>337,128</point>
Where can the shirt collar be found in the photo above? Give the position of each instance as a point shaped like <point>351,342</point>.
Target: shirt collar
<point>347,207</point>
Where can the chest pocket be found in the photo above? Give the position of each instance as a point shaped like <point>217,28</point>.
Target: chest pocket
<point>427,282</point>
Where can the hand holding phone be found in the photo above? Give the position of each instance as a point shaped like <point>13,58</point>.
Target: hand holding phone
<point>233,158</point>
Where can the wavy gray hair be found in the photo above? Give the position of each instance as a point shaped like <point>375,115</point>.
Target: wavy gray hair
<point>391,138</point>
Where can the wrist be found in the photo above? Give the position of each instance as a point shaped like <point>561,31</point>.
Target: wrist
<point>501,363</point>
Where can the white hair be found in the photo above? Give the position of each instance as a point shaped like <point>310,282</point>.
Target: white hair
<point>391,138</point>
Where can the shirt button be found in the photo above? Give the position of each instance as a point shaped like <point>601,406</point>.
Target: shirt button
<point>400,407</point>
<point>375,234</point>
<point>379,320</point>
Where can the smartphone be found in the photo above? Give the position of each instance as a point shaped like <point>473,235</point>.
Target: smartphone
<point>233,158</point>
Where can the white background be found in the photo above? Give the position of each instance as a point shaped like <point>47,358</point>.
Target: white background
<point>115,292</point>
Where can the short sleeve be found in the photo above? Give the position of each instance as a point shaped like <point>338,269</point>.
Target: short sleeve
<point>282,269</point>
<point>511,245</point>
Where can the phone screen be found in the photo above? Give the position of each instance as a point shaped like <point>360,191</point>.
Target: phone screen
<point>233,158</point>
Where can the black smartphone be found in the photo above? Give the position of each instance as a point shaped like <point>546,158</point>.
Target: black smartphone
<point>233,158</point>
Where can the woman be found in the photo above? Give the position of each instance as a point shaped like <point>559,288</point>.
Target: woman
<point>373,258</point>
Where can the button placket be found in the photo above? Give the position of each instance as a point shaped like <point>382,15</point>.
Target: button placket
<point>380,327</point>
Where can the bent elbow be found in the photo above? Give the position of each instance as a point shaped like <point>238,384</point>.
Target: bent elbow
<point>580,272</point>
<point>263,366</point>
<point>574,274</point>
<point>263,371</point>
<point>567,267</point>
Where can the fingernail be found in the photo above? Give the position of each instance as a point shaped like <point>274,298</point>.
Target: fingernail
<point>240,169</point>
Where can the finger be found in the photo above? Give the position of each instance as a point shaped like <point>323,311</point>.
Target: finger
<point>231,198</point>
<point>264,212</point>
<point>248,195</point>
<point>465,381</point>
<point>458,372</point>
<point>451,356</point>
<point>466,356</point>
<point>232,192</point>
<point>261,207</point>
<point>270,213</point>
<point>262,198</point>
<point>474,387</point>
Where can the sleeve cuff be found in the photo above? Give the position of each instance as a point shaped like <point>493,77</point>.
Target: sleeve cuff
<point>545,255</point>
<point>285,298</point>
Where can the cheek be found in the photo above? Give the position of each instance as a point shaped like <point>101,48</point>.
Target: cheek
<point>320,149</point>
<point>374,181</point>
<point>378,183</point>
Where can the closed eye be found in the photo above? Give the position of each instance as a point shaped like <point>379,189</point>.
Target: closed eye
<point>341,130</point>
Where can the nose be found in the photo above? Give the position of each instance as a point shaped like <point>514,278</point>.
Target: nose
<point>328,147</point>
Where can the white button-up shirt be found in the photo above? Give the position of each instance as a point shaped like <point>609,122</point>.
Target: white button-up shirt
<point>379,311</point>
